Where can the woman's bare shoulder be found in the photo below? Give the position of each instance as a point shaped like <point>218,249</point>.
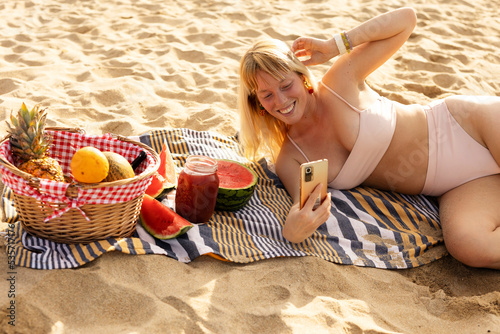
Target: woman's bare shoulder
<point>288,155</point>
<point>287,167</point>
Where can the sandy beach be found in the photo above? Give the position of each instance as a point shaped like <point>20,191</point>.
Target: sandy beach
<point>126,67</point>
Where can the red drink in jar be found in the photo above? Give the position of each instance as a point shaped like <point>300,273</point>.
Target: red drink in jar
<point>197,189</point>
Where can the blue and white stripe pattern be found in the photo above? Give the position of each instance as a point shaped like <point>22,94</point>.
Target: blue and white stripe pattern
<point>367,227</point>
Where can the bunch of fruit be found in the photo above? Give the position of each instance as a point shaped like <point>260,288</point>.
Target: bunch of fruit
<point>30,145</point>
<point>90,165</point>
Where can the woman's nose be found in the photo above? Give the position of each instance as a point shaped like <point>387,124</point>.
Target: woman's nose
<point>280,98</point>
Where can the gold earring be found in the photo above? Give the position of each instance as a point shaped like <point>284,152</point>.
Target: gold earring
<point>308,86</point>
<point>262,110</point>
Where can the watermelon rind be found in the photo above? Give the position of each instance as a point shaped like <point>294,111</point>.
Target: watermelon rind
<point>160,221</point>
<point>233,199</point>
<point>180,232</point>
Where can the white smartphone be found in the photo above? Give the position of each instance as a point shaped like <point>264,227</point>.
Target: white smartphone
<point>311,174</point>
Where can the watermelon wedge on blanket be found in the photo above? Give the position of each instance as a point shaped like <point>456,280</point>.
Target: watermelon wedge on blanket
<point>161,221</point>
<point>236,185</point>
<point>165,177</point>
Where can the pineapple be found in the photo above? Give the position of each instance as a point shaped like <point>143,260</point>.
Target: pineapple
<point>29,144</point>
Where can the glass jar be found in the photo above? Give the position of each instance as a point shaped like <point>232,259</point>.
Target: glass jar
<point>197,189</point>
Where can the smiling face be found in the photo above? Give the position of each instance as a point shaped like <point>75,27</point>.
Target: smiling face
<point>284,98</point>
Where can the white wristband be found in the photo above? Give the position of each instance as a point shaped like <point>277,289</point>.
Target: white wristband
<point>340,44</point>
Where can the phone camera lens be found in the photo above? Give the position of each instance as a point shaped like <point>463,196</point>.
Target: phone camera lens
<point>308,174</point>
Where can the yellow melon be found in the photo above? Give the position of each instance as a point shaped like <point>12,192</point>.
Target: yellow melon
<point>89,165</point>
<point>119,167</point>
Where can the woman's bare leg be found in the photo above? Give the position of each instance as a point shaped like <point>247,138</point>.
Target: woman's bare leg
<point>470,218</point>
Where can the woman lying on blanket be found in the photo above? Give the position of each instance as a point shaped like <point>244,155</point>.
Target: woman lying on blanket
<point>449,149</point>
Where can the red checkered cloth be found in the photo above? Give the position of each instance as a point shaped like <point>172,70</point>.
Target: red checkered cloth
<point>65,144</point>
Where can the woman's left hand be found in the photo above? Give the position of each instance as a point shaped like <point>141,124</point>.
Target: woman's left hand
<point>300,223</point>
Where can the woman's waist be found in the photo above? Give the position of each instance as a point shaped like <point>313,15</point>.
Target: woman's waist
<point>403,167</point>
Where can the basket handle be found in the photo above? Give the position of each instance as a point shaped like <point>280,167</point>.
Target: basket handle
<point>60,128</point>
<point>15,170</point>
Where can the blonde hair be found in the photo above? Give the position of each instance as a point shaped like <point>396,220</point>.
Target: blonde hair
<point>262,136</point>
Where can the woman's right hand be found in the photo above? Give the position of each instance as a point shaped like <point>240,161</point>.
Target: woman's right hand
<point>313,51</point>
<point>300,223</point>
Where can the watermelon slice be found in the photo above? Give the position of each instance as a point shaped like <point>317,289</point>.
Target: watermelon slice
<point>236,185</point>
<point>161,221</point>
<point>165,177</point>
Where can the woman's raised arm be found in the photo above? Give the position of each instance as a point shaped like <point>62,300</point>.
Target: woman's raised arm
<point>370,45</point>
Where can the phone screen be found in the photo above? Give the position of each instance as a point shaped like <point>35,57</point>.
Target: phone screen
<point>311,174</point>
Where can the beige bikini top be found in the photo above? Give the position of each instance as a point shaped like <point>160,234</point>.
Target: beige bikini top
<point>376,129</point>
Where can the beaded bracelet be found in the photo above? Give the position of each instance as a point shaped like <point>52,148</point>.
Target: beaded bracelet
<point>340,44</point>
<point>347,41</point>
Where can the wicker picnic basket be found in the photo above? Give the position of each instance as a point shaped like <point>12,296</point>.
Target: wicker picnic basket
<point>74,212</point>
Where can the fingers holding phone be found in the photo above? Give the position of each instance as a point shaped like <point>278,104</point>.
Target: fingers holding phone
<point>302,222</point>
<point>314,199</point>
<point>313,174</point>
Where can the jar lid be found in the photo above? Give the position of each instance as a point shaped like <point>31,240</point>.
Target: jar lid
<point>201,164</point>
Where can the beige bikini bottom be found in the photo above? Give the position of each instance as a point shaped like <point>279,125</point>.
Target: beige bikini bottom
<point>454,156</point>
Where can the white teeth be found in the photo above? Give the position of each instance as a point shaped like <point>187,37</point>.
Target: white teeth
<point>287,110</point>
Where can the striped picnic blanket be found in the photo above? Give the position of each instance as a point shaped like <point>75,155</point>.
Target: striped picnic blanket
<point>367,227</point>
